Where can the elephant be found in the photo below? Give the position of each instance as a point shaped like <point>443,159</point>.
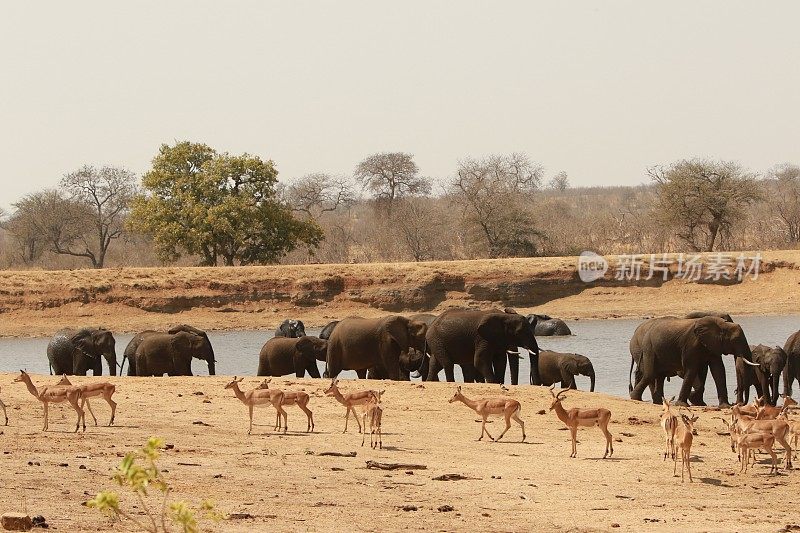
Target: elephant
<point>700,314</point>
<point>421,369</point>
<point>699,386</point>
<point>75,352</point>
<point>291,328</point>
<point>130,349</point>
<point>363,343</point>
<point>544,325</point>
<point>555,366</point>
<point>792,369</point>
<point>670,346</point>
<point>764,377</point>
<point>281,356</point>
<point>327,330</point>
<point>478,341</point>
<point>157,353</point>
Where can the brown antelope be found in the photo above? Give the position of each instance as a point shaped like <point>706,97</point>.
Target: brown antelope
<point>90,390</point>
<point>351,400</point>
<point>258,396</point>
<point>669,423</point>
<point>497,406</point>
<point>778,427</point>
<point>375,413</point>
<point>4,411</point>
<point>683,438</point>
<point>48,395</point>
<point>768,412</point>
<point>753,441</point>
<point>576,417</point>
<point>298,398</point>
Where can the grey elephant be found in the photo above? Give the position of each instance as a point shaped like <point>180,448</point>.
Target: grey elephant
<point>75,352</point>
<point>291,328</point>
<point>478,341</point>
<point>699,386</point>
<point>327,330</point>
<point>563,367</point>
<point>792,369</point>
<point>363,343</point>
<point>670,346</point>
<point>283,355</point>
<point>423,357</point>
<point>700,314</point>
<point>764,377</point>
<point>545,325</point>
<point>156,353</point>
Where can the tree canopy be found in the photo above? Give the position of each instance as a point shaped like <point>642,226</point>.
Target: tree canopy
<point>217,206</point>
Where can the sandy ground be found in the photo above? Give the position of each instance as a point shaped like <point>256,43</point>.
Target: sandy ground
<point>37,303</point>
<point>285,486</point>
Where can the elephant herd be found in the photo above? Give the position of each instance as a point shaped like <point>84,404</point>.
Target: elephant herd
<point>483,343</point>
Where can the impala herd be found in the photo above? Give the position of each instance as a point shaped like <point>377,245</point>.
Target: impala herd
<point>757,426</point>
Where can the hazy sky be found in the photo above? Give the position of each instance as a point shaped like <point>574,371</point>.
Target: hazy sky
<point>599,89</point>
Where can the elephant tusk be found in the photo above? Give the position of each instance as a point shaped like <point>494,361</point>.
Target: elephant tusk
<point>415,374</point>
<point>750,363</point>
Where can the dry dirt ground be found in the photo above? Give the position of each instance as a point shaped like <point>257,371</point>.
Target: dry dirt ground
<point>35,303</point>
<point>286,486</point>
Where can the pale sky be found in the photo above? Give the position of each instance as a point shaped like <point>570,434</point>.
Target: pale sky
<point>598,89</point>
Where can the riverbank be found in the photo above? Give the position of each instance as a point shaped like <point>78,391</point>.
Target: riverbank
<point>284,484</point>
<point>38,303</point>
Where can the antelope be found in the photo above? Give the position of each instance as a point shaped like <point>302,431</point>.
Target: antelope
<point>669,423</point>
<point>298,398</point>
<point>576,417</point>
<point>4,411</point>
<point>778,427</point>
<point>508,407</point>
<point>684,438</point>
<point>351,399</point>
<point>48,395</point>
<point>90,390</point>
<point>256,397</point>
<point>768,412</point>
<point>753,441</point>
<point>375,413</point>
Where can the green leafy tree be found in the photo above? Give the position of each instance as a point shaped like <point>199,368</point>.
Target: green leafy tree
<point>217,206</point>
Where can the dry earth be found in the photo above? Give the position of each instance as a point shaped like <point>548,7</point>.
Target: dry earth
<point>34,303</point>
<point>282,482</point>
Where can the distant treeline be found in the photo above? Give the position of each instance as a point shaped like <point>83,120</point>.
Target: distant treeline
<point>197,206</point>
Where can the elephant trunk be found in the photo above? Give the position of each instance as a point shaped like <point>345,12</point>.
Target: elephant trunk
<point>111,359</point>
<point>774,393</point>
<point>591,377</point>
<point>212,369</point>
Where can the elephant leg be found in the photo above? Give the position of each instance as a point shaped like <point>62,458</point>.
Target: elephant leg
<point>717,368</point>
<point>483,363</point>
<point>699,386</point>
<point>312,369</point>
<point>644,380</point>
<point>434,367</point>
<point>686,387</point>
<point>742,387</point>
<point>97,366</point>
<point>757,384</point>
<point>658,389</point>
<point>469,373</point>
<point>788,376</point>
<point>499,367</point>
<point>362,374</point>
<point>513,365</point>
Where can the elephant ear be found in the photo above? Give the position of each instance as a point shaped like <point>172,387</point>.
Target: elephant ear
<point>417,329</point>
<point>304,344</point>
<point>492,328</point>
<point>83,340</point>
<point>182,341</point>
<point>708,333</point>
<point>187,328</point>
<point>532,320</point>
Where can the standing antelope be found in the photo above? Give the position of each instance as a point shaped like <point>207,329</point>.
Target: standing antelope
<point>48,395</point>
<point>351,400</point>
<point>90,390</point>
<point>4,411</point>
<point>683,437</point>
<point>669,423</point>
<point>576,417</point>
<point>757,440</point>
<point>298,398</point>
<point>256,397</point>
<point>507,407</point>
<point>778,427</point>
<point>375,413</point>
<point>768,412</point>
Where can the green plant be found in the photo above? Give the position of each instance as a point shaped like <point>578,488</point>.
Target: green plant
<point>140,476</point>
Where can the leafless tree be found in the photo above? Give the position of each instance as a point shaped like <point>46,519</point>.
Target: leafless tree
<point>106,193</point>
<point>702,200</point>
<point>559,182</point>
<point>786,197</point>
<point>319,193</point>
<point>391,175</point>
<point>495,196</point>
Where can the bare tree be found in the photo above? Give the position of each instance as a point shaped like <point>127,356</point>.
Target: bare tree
<point>495,196</point>
<point>319,193</point>
<point>105,193</point>
<point>702,199</point>
<point>559,182</point>
<point>391,175</point>
<point>786,197</point>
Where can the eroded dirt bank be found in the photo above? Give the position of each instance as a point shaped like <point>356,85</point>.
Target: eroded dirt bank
<point>36,303</point>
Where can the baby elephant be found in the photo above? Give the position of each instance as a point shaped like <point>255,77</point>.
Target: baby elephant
<point>283,355</point>
<point>555,366</point>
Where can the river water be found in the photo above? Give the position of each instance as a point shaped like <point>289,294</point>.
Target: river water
<point>605,342</point>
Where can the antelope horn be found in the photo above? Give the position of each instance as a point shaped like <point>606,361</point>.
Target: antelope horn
<point>562,391</point>
<point>552,387</point>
